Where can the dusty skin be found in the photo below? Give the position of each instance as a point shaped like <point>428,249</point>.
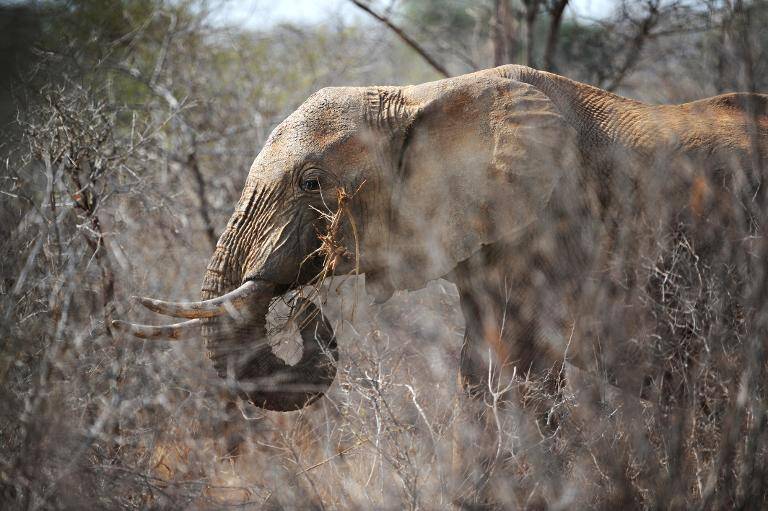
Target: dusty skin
<point>515,184</point>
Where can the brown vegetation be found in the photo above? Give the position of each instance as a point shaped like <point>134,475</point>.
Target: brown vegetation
<point>134,127</point>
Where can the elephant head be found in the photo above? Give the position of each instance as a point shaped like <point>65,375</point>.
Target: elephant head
<point>410,181</point>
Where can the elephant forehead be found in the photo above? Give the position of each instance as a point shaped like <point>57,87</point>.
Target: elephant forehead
<point>324,118</point>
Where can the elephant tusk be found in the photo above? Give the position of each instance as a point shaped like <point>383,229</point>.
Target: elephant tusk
<point>183,330</point>
<point>234,300</point>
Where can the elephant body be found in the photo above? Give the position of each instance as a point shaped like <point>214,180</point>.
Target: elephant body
<point>580,281</point>
<point>538,196</point>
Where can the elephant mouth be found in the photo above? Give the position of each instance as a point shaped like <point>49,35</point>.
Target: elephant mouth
<point>234,328</point>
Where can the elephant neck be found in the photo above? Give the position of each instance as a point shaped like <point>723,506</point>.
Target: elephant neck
<point>600,117</point>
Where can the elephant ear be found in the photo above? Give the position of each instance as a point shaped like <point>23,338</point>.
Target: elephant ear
<point>480,158</point>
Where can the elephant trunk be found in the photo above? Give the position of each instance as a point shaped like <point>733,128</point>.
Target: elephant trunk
<point>238,346</point>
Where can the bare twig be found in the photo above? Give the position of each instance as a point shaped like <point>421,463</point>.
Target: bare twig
<point>405,38</point>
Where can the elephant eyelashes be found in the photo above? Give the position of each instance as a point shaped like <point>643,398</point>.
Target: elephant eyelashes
<point>311,184</point>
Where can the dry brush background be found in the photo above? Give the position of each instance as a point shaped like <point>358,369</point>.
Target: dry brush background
<point>129,127</point>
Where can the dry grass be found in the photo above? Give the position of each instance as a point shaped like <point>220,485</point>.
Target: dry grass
<point>100,202</point>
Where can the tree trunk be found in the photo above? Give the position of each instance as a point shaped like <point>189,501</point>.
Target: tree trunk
<point>531,13</point>
<point>498,33</point>
<point>556,11</point>
<point>504,34</point>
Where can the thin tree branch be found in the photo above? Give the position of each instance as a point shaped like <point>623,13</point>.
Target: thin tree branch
<point>405,38</point>
<point>202,194</point>
<point>191,161</point>
<point>636,45</point>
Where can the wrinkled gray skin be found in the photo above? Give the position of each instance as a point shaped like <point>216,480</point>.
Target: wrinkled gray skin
<point>456,179</point>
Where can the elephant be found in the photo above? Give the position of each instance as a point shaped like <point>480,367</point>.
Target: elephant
<point>518,185</point>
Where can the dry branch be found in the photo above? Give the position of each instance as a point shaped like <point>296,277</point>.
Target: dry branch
<point>405,38</point>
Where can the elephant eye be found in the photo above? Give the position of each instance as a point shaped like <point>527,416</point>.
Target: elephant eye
<point>310,184</point>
